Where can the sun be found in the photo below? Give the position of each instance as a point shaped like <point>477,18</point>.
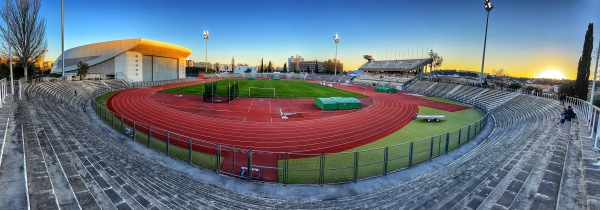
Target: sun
<point>552,74</point>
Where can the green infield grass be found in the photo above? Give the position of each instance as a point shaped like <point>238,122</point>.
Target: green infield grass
<point>428,141</point>
<point>264,88</point>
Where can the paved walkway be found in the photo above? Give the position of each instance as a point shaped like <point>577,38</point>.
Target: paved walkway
<point>12,163</point>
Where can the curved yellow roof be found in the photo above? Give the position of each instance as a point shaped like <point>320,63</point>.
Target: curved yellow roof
<point>156,48</point>
<point>99,52</point>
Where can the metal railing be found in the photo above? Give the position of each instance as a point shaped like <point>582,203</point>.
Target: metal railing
<point>289,168</point>
<point>162,82</point>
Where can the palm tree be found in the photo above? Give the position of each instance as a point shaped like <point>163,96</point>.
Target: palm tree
<point>82,69</point>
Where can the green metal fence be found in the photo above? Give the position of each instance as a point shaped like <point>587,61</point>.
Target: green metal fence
<point>289,168</point>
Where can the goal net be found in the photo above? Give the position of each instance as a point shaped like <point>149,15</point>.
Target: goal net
<point>255,92</point>
<point>219,94</point>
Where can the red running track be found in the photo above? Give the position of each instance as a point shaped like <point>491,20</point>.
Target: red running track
<point>386,114</point>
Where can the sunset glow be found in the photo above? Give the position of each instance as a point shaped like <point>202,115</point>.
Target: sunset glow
<point>387,30</point>
<point>552,74</point>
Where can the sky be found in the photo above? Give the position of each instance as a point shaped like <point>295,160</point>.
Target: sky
<point>525,38</point>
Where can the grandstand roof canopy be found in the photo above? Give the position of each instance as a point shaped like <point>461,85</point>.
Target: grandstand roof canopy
<point>395,65</point>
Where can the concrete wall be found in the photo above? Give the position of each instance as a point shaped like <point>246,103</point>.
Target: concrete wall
<point>106,67</point>
<point>130,63</point>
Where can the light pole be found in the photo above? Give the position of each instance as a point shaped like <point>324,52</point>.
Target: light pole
<point>206,36</point>
<point>336,39</point>
<point>488,7</point>
<point>62,35</point>
<point>12,83</point>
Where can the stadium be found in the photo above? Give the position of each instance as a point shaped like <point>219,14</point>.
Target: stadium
<point>294,141</point>
<point>391,137</point>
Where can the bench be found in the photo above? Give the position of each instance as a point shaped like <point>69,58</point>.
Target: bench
<point>429,117</point>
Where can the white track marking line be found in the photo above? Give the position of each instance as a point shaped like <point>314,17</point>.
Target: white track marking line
<point>250,105</point>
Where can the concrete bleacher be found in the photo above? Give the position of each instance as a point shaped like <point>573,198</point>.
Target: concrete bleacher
<point>389,79</point>
<point>525,161</point>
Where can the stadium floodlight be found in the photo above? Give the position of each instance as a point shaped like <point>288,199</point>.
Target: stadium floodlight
<point>62,36</point>
<point>488,7</point>
<point>336,39</point>
<point>206,36</point>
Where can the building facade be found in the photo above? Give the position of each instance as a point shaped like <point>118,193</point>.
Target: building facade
<point>136,59</point>
<point>189,63</point>
<point>203,64</point>
<point>240,69</point>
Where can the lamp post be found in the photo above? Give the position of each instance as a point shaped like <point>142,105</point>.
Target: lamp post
<point>62,35</point>
<point>488,7</point>
<point>206,36</point>
<point>336,39</point>
<point>12,83</point>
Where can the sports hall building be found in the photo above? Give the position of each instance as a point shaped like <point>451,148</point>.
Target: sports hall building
<point>137,59</point>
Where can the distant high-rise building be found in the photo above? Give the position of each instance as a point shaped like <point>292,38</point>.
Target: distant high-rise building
<point>202,64</point>
<point>232,62</point>
<point>189,63</point>
<point>294,63</point>
<point>298,64</point>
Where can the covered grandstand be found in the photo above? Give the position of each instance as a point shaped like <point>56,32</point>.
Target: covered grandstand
<point>390,73</point>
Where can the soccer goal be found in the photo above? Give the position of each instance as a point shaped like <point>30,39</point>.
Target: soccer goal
<point>256,92</point>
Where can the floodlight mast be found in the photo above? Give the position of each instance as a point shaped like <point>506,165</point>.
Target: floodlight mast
<point>336,39</point>
<point>12,83</point>
<point>206,36</point>
<point>62,36</point>
<point>488,7</point>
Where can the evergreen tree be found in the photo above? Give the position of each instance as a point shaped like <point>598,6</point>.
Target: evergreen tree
<point>270,67</point>
<point>284,67</point>
<point>583,69</point>
<point>316,66</point>
<point>262,69</point>
<point>307,69</point>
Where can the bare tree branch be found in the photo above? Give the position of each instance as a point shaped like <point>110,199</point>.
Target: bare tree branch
<point>27,32</point>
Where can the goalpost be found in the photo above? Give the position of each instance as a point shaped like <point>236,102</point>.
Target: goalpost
<point>261,92</point>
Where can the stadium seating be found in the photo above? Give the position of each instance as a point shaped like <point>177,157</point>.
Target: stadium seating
<point>389,79</point>
<point>523,162</point>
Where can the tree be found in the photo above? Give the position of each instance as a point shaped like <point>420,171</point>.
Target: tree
<point>316,66</point>
<point>329,66</point>
<point>307,69</point>
<point>27,33</point>
<point>514,85</point>
<point>567,88</point>
<point>531,88</point>
<point>270,67</point>
<point>583,69</point>
<point>82,69</point>
<point>248,70</point>
<point>284,67</point>
<point>436,60</point>
<point>596,101</point>
<point>262,68</point>
<point>499,72</point>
